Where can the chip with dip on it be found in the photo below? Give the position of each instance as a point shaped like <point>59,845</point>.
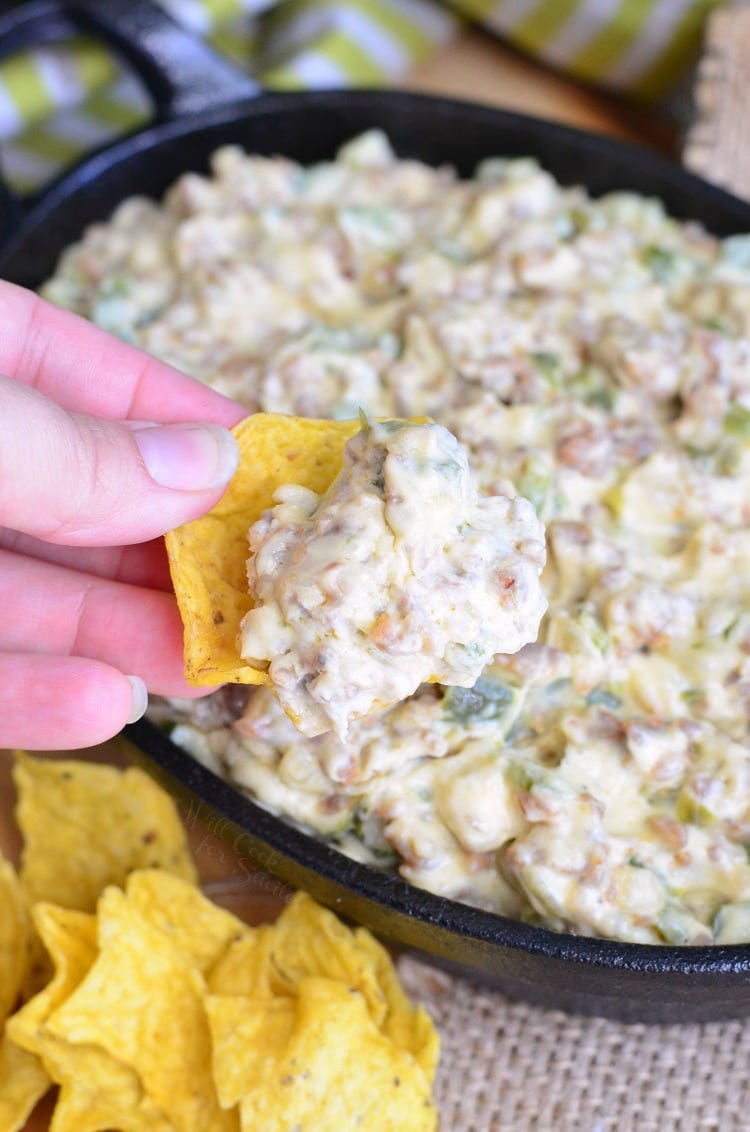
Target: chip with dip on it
<point>208,557</point>
<point>375,566</point>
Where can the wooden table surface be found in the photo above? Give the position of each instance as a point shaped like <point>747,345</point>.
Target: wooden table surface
<point>474,67</point>
<point>480,68</point>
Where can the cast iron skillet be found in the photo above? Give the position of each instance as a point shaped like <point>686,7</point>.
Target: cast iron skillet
<point>201,103</point>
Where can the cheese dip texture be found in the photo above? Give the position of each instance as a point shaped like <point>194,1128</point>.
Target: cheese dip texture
<point>400,574</point>
<point>592,356</point>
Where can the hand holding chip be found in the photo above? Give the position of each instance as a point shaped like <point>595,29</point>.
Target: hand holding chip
<point>102,449</point>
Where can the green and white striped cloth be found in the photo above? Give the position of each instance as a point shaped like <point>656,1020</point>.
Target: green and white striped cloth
<point>57,101</point>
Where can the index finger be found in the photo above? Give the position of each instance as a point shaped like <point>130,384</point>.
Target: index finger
<point>86,370</point>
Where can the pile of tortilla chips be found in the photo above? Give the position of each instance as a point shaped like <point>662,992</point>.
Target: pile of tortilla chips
<point>208,557</point>
<point>154,1010</point>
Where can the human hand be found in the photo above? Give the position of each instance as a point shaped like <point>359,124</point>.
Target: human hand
<point>88,481</point>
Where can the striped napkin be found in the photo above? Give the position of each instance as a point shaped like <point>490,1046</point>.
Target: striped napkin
<point>59,100</point>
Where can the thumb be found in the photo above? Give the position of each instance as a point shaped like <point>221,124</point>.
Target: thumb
<point>84,481</point>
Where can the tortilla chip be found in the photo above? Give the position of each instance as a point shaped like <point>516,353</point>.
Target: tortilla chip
<point>99,1093</point>
<point>325,1064</point>
<point>245,967</point>
<point>142,1002</point>
<point>311,940</point>
<point>23,1082</point>
<point>164,1012</point>
<point>409,1027</point>
<point>87,825</point>
<point>208,557</point>
<point>69,938</point>
<point>199,928</point>
<point>14,940</point>
<point>248,1038</point>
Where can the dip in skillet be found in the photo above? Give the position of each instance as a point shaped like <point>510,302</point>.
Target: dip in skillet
<point>590,355</point>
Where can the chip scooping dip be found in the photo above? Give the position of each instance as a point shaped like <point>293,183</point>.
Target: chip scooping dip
<point>400,574</point>
<point>208,557</point>
<point>396,573</point>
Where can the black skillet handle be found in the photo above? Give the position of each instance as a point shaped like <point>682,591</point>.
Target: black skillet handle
<point>180,72</point>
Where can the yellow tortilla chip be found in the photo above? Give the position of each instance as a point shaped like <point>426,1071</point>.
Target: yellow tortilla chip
<point>245,967</point>
<point>199,928</point>
<point>23,1081</point>
<point>208,557</point>
<point>409,1027</point>
<point>166,1013</point>
<point>142,1002</point>
<point>248,1038</point>
<point>310,940</point>
<point>70,941</point>
<point>87,825</point>
<point>98,1093</point>
<point>327,1066</point>
<point>14,940</point>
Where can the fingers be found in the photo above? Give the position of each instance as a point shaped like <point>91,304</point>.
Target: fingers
<point>144,564</point>
<point>73,475</point>
<point>82,481</point>
<point>54,612</point>
<point>88,371</point>
<point>62,703</point>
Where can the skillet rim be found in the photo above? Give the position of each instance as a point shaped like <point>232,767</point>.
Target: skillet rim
<point>29,212</point>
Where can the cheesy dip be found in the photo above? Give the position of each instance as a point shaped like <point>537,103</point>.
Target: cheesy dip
<point>592,356</point>
<point>400,574</point>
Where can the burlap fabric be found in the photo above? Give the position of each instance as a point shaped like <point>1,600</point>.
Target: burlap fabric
<point>718,144</point>
<point>510,1067</point>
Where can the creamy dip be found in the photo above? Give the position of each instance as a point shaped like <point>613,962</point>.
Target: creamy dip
<point>400,574</point>
<point>590,355</point>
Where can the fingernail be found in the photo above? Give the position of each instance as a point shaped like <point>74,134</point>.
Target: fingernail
<point>188,457</point>
<point>140,698</point>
